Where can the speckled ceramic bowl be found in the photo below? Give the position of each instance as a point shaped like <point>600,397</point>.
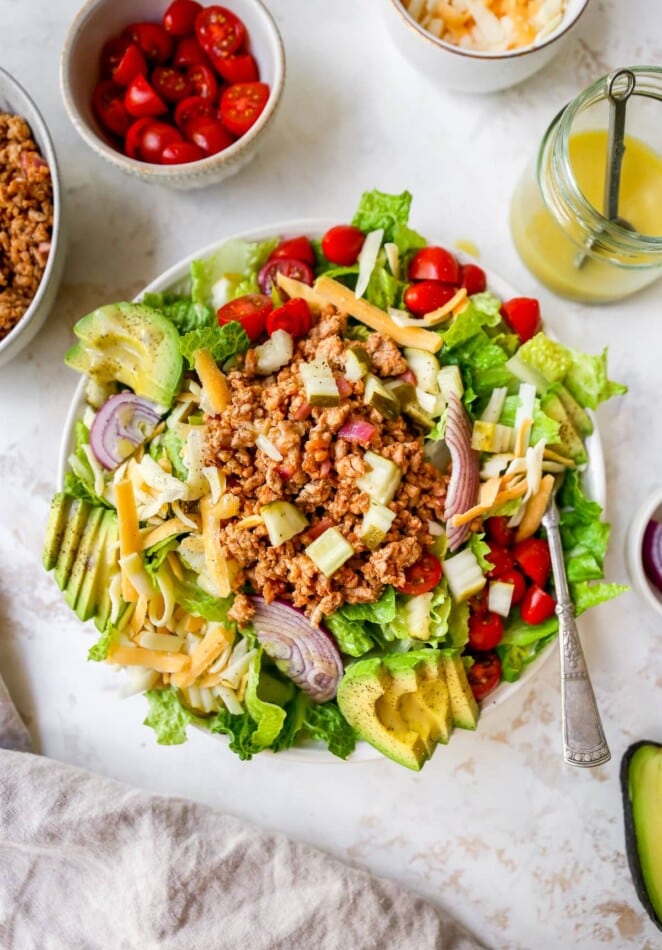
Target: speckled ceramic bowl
<point>650,508</point>
<point>15,100</point>
<point>98,21</point>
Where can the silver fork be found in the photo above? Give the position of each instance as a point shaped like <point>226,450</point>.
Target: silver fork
<point>584,742</point>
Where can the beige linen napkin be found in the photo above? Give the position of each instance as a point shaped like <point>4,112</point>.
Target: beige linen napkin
<point>86,862</point>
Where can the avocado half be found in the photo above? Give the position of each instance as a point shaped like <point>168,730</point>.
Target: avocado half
<point>641,786</point>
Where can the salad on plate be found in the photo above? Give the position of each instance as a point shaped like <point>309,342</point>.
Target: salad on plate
<point>305,489</point>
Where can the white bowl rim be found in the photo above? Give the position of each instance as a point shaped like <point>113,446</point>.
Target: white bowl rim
<point>633,551</point>
<point>317,753</point>
<point>488,55</point>
<point>166,173</point>
<point>36,122</point>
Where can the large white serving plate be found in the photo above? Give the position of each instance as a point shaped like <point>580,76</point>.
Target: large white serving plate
<point>176,279</point>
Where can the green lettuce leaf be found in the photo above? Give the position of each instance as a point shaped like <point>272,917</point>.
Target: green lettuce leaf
<point>168,717</point>
<point>350,635</point>
<point>522,642</point>
<point>544,427</point>
<point>380,210</point>
<point>79,481</point>
<point>585,595</point>
<point>195,601</point>
<point>98,652</point>
<point>154,557</point>
<point>408,242</point>
<point>322,722</point>
<point>237,262</point>
<point>222,342</point>
<point>584,376</point>
<point>480,548</point>
<point>479,313</point>
<point>355,626</point>
<point>259,726</point>
<point>185,313</point>
<point>584,536</point>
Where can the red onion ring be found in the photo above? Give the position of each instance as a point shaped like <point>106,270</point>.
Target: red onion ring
<point>465,472</point>
<point>122,418</point>
<point>357,430</point>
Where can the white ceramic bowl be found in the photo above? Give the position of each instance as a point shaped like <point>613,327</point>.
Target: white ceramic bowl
<point>650,508</point>
<point>15,100</point>
<point>97,21</point>
<point>471,70</point>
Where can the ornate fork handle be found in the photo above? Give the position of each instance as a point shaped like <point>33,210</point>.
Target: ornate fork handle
<point>584,742</point>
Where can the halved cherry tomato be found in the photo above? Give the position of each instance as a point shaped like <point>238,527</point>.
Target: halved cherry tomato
<point>194,107</point>
<point>131,64</point>
<point>108,105</point>
<point>512,576</point>
<point>188,52</point>
<point>473,278</point>
<point>237,67</point>
<point>342,244</point>
<point>522,314</point>
<point>180,153</point>
<point>298,270</point>
<point>498,531</point>
<point>141,99</point>
<point>537,605</point>
<point>485,631</point>
<point>170,84</point>
<point>423,576</point>
<point>202,81</point>
<point>134,137</point>
<point>219,31</point>
<point>426,296</point>
<point>434,263</point>
<point>500,558</point>
<point>485,675</point>
<point>208,134</point>
<point>111,53</point>
<point>533,557</point>
<point>299,248</point>
<point>293,317</point>
<point>179,18</point>
<point>242,105</point>
<point>154,138</point>
<point>152,39</point>
<point>251,311</point>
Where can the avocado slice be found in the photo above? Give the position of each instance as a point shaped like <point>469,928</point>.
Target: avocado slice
<point>570,443</point>
<point>641,785</point>
<point>576,413</point>
<point>464,706</point>
<point>57,523</point>
<point>71,538</point>
<point>96,578</point>
<point>108,568</point>
<point>130,343</point>
<point>85,559</point>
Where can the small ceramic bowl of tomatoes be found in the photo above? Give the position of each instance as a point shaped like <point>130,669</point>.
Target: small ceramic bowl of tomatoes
<point>175,92</point>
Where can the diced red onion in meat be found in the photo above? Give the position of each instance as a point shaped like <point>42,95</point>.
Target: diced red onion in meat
<point>304,653</point>
<point>463,486</point>
<point>408,377</point>
<point>123,422</point>
<point>357,430</point>
<point>344,386</point>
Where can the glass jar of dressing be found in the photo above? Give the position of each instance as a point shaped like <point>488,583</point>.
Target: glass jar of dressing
<point>557,219</point>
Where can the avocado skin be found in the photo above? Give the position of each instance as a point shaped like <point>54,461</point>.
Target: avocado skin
<point>648,821</point>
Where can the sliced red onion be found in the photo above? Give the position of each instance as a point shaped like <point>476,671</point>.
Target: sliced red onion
<point>122,423</point>
<point>304,653</point>
<point>344,386</point>
<point>357,430</point>
<point>465,471</point>
<point>652,553</point>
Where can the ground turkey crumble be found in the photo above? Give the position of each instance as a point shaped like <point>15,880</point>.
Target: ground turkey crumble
<point>26,219</point>
<point>318,474</point>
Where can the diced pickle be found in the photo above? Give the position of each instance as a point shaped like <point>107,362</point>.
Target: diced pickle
<point>357,363</point>
<point>382,481</point>
<point>319,383</point>
<point>425,367</point>
<point>376,525</point>
<point>283,521</point>
<point>379,397</point>
<point>329,551</point>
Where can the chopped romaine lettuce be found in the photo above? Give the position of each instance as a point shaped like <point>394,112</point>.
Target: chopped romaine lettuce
<point>186,314</point>
<point>259,726</point>
<point>222,342</point>
<point>323,722</point>
<point>237,263</point>
<point>379,210</point>
<point>355,626</point>
<point>168,717</point>
<point>584,376</point>
<point>544,427</point>
<point>99,651</point>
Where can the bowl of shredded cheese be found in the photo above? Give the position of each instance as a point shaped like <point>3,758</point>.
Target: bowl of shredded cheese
<point>481,45</point>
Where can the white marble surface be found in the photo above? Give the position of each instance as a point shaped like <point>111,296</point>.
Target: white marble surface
<point>525,851</point>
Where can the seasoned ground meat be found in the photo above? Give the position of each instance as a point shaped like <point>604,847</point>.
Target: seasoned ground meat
<point>26,219</point>
<point>318,473</point>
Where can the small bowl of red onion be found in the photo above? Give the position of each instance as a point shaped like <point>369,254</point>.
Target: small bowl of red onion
<point>644,550</point>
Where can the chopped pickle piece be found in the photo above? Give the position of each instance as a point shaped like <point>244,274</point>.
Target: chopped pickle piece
<point>425,367</point>
<point>283,521</point>
<point>319,383</point>
<point>357,363</point>
<point>380,398</point>
<point>382,481</point>
<point>329,551</point>
<point>449,380</point>
<point>376,525</point>
<point>464,576</point>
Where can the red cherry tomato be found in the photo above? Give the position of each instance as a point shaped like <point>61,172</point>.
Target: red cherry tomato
<point>181,153</point>
<point>242,105</point>
<point>141,99</point>
<point>179,18</point>
<point>202,82</point>
<point>134,137</point>
<point>170,84</point>
<point>537,605</point>
<point>473,278</point>
<point>299,270</point>
<point>152,39</point>
<point>533,557</point>
<point>423,576</point>
<point>208,134</point>
<point>485,631</point>
<point>485,675</point>
<point>293,317</point>
<point>251,311</point>
<point>219,31</point>
<point>195,107</point>
<point>109,108</point>
<point>154,138</point>
<point>188,52</point>
<point>522,314</point>
<point>237,67</point>
<point>131,64</point>
<point>342,244</point>
<point>111,53</point>
<point>434,263</point>
<point>426,296</point>
<point>498,531</point>
<point>513,576</point>
<point>299,248</point>
<point>500,558</point>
